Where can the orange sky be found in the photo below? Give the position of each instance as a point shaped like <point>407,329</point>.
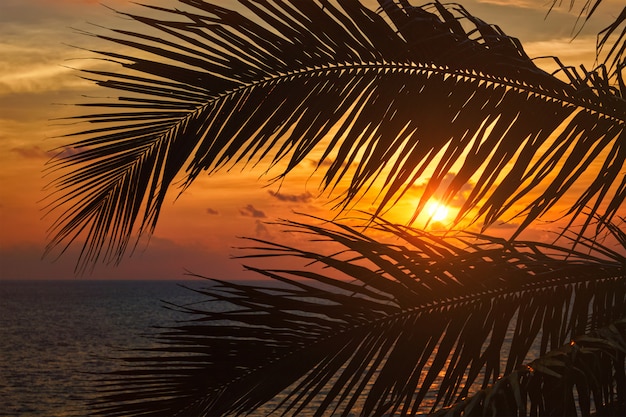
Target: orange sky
<point>197,231</point>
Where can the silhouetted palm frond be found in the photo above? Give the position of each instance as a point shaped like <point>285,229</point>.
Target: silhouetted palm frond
<point>370,328</point>
<point>565,382</point>
<point>403,95</point>
<point>615,56</point>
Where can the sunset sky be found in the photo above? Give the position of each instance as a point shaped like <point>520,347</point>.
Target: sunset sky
<point>196,232</point>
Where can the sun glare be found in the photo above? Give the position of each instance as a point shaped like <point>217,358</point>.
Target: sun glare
<point>437,211</point>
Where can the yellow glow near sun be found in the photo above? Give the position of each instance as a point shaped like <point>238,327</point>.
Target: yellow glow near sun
<point>437,211</point>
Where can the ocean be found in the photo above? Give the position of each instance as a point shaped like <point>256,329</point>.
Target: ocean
<point>55,335</point>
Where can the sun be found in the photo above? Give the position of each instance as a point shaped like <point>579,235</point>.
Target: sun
<point>437,211</point>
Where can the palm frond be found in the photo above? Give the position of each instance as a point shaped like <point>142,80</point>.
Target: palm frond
<point>399,96</point>
<point>588,370</point>
<point>369,327</point>
<point>614,58</point>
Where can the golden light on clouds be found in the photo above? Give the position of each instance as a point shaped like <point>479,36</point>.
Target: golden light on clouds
<point>36,57</point>
<point>33,79</point>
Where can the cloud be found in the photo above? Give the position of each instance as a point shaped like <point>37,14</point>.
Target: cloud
<point>570,51</point>
<point>261,230</point>
<point>212,212</point>
<point>525,4</point>
<point>459,198</point>
<point>39,76</point>
<point>327,162</point>
<point>292,198</point>
<point>505,225</point>
<point>34,152</point>
<point>68,151</point>
<point>250,211</point>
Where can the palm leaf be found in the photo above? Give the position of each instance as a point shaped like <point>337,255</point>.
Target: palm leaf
<point>368,327</point>
<point>592,366</point>
<point>617,49</point>
<point>400,96</point>
<point>615,56</point>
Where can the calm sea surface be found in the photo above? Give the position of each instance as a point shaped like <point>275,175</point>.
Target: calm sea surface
<point>54,334</point>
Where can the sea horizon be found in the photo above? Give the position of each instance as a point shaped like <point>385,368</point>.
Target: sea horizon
<point>58,335</point>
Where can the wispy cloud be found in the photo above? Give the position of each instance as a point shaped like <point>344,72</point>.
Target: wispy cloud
<point>505,225</point>
<point>527,4</point>
<point>33,152</point>
<point>67,151</point>
<point>292,198</point>
<point>251,211</point>
<point>39,77</point>
<point>570,51</point>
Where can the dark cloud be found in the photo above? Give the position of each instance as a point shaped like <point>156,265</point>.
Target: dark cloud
<point>292,198</point>
<point>261,230</point>
<point>505,225</point>
<point>34,152</point>
<point>250,211</point>
<point>70,151</point>
<point>212,212</point>
<point>325,163</point>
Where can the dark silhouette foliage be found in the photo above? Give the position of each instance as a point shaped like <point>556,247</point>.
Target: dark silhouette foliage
<point>372,328</point>
<point>390,96</point>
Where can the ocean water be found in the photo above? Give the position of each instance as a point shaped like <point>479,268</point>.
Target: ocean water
<point>54,335</point>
